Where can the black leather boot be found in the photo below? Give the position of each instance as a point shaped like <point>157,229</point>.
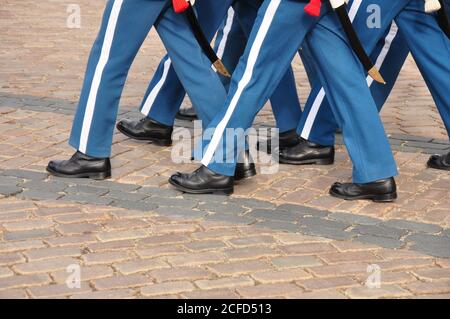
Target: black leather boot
<point>203,181</point>
<point>147,129</point>
<point>81,166</point>
<point>286,139</point>
<point>384,190</point>
<point>289,139</point>
<point>245,167</point>
<point>441,162</point>
<point>307,152</point>
<point>187,114</point>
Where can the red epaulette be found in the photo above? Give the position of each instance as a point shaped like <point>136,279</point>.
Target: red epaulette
<point>313,8</point>
<point>179,6</point>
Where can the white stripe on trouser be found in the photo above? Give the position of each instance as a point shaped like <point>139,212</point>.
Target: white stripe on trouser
<point>155,91</point>
<point>247,76</point>
<point>384,52</point>
<point>226,33</point>
<point>307,128</point>
<point>150,101</point>
<point>104,57</point>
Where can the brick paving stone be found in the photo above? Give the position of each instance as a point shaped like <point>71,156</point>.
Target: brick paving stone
<point>321,294</point>
<point>205,245</point>
<point>326,283</point>
<point>252,241</point>
<point>269,290</point>
<point>118,282</point>
<point>386,291</point>
<point>44,266</point>
<point>295,238</point>
<point>11,258</point>
<point>29,234</point>
<point>164,240</point>
<point>5,272</point>
<point>279,225</point>
<point>58,291</point>
<point>438,246</point>
<point>105,257</point>
<point>344,246</point>
<point>440,287</point>
<point>122,235</point>
<point>108,294</point>
<point>339,270</point>
<point>77,229</point>
<point>211,294</point>
<point>24,281</point>
<point>241,267</point>
<point>87,273</point>
<point>20,245</point>
<point>296,262</point>
<point>13,294</point>
<point>137,266</point>
<point>49,253</point>
<point>175,287</point>
<point>379,231</point>
<point>71,240</point>
<point>160,251</point>
<point>413,226</point>
<point>432,274</point>
<point>111,246</point>
<point>385,242</point>
<point>402,264</point>
<point>307,249</point>
<point>250,253</point>
<point>224,283</point>
<point>285,275</point>
<point>179,273</point>
<point>194,259</point>
<point>349,257</point>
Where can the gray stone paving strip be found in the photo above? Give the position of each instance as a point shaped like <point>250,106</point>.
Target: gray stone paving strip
<point>427,238</point>
<point>399,142</point>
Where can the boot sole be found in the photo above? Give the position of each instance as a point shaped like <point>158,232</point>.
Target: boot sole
<point>186,118</point>
<point>380,198</point>
<point>152,140</point>
<point>96,176</point>
<point>323,161</point>
<point>432,166</point>
<point>223,191</point>
<point>247,174</point>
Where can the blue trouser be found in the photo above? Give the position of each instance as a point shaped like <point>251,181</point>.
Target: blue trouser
<point>230,44</point>
<point>165,93</point>
<point>317,123</point>
<point>125,25</point>
<point>280,29</point>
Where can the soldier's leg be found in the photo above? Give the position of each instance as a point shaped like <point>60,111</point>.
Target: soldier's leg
<point>231,44</point>
<point>277,34</point>
<point>430,48</point>
<point>125,22</point>
<point>319,126</point>
<point>191,65</point>
<point>345,84</point>
<point>165,92</point>
<point>124,27</point>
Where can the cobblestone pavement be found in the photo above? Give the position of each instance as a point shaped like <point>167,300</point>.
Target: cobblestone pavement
<point>135,237</point>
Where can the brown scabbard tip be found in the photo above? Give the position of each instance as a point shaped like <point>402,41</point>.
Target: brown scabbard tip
<point>220,67</point>
<point>376,75</point>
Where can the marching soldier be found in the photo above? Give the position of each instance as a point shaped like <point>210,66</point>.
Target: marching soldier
<point>125,25</point>
<point>280,29</point>
<point>165,93</point>
<point>105,76</point>
<point>318,125</point>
